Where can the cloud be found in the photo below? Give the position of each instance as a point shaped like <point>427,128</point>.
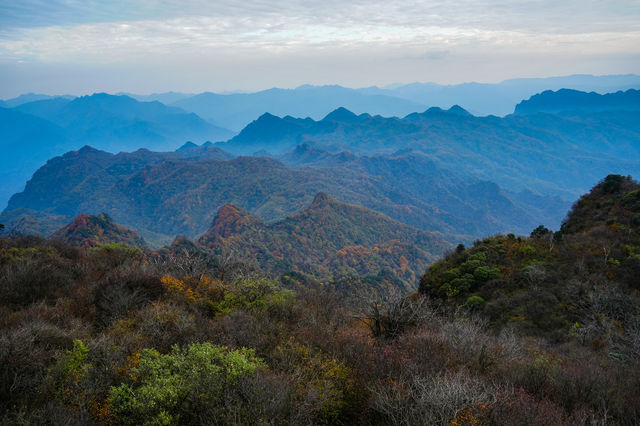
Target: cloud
<point>336,36</point>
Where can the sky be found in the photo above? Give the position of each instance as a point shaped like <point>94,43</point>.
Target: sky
<point>143,46</point>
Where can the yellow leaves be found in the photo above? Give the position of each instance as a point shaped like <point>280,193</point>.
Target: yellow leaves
<point>404,264</point>
<point>133,361</point>
<point>101,412</point>
<point>177,287</point>
<point>467,418</point>
<point>194,290</point>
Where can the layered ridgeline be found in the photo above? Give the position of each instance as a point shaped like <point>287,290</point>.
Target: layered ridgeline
<point>499,98</point>
<point>440,170</point>
<point>236,110</point>
<point>162,195</point>
<point>580,281</point>
<point>544,153</point>
<point>116,122</point>
<point>327,239</point>
<point>94,231</point>
<point>32,132</point>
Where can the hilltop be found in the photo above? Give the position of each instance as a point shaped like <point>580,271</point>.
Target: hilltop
<point>582,279</point>
<point>93,231</point>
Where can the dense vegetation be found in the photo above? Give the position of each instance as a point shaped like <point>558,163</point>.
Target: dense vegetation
<point>580,282</point>
<point>328,240</point>
<point>112,335</point>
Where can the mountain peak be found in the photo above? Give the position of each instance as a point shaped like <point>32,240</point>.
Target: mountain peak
<point>187,145</point>
<point>87,149</point>
<point>434,110</point>
<point>341,114</point>
<point>231,220</point>
<point>91,231</point>
<point>267,116</point>
<point>613,203</point>
<point>329,235</point>
<point>320,200</point>
<point>455,110</point>
<point>458,110</point>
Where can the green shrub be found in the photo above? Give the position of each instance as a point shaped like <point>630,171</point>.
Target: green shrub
<point>459,285</point>
<point>485,273</point>
<point>475,302</point>
<point>178,387</point>
<point>451,274</point>
<point>527,250</point>
<point>75,363</point>
<point>612,183</point>
<point>470,265</point>
<point>255,294</point>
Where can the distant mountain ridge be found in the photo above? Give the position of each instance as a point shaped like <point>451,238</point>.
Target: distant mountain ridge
<point>235,111</point>
<point>519,152</point>
<point>502,168</point>
<point>27,141</point>
<point>31,97</point>
<point>566,100</point>
<point>115,122</point>
<point>500,98</point>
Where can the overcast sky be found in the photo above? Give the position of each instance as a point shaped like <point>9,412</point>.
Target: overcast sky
<point>143,46</point>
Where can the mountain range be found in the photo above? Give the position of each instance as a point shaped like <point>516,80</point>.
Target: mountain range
<point>500,98</point>
<point>165,194</point>
<point>441,170</point>
<point>117,122</point>
<point>235,111</point>
<point>128,121</point>
<point>518,152</point>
